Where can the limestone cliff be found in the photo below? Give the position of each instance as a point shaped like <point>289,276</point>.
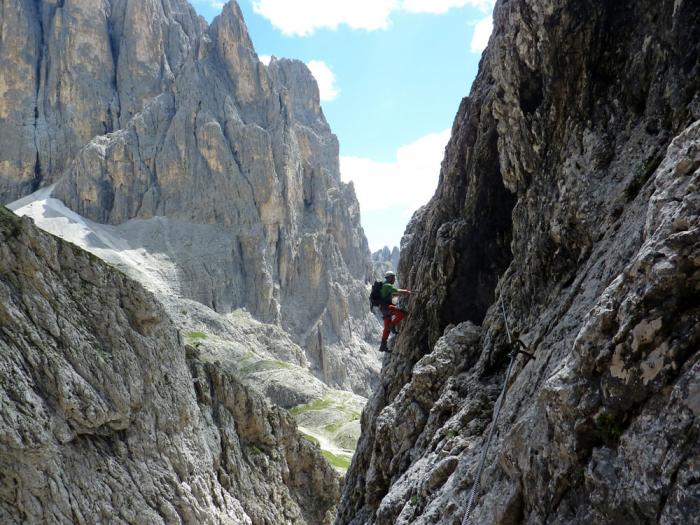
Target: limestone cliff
<point>138,109</point>
<point>570,189</point>
<point>106,417</point>
<point>76,69</point>
<point>385,260</point>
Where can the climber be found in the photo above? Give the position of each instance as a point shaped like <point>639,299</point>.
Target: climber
<point>381,298</point>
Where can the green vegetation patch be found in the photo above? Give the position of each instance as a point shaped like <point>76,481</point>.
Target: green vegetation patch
<point>609,427</point>
<point>328,403</point>
<point>254,450</point>
<point>337,461</point>
<point>197,336</point>
<point>332,428</point>
<point>264,365</point>
<point>316,404</point>
<point>311,439</point>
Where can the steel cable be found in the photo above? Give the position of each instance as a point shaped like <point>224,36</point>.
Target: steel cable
<point>477,479</point>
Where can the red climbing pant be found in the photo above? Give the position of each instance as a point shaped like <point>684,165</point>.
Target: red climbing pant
<point>395,316</point>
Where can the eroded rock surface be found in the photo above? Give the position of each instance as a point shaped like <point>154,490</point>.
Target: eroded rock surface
<point>75,69</point>
<point>137,109</point>
<point>571,189</point>
<point>106,418</point>
<point>385,260</point>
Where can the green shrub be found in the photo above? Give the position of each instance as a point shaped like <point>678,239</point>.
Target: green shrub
<point>609,427</point>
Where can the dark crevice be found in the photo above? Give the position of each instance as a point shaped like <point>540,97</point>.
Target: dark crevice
<point>531,93</point>
<point>114,48</point>
<point>106,199</point>
<point>113,122</point>
<point>690,438</point>
<point>483,249</point>
<point>36,181</point>
<point>639,181</point>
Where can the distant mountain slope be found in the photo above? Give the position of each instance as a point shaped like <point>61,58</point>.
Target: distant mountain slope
<point>385,260</point>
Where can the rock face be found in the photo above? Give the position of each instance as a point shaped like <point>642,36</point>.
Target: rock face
<point>137,109</point>
<point>385,260</point>
<point>262,355</point>
<point>75,69</point>
<point>106,418</point>
<point>570,199</point>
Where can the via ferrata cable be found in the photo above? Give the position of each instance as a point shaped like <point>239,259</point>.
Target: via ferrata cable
<point>477,479</point>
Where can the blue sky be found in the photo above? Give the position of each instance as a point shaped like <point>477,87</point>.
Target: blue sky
<point>391,75</point>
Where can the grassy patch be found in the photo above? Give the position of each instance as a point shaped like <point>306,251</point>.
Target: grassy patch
<point>328,403</point>
<point>255,451</point>
<point>312,439</point>
<point>332,428</point>
<point>261,366</point>
<point>316,404</point>
<point>197,336</point>
<point>336,461</point>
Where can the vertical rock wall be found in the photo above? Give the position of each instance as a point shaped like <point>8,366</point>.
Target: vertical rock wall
<point>76,69</point>
<point>570,189</point>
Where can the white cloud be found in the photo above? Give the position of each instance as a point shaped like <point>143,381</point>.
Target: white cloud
<point>265,59</point>
<point>409,182</point>
<point>482,33</point>
<point>389,192</point>
<point>325,79</point>
<point>442,6</point>
<point>303,17</point>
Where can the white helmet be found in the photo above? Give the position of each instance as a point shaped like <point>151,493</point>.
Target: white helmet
<point>389,274</point>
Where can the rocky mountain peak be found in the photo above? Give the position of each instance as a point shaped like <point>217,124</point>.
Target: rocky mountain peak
<point>385,260</point>
<point>141,111</point>
<point>230,23</point>
<point>302,90</point>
